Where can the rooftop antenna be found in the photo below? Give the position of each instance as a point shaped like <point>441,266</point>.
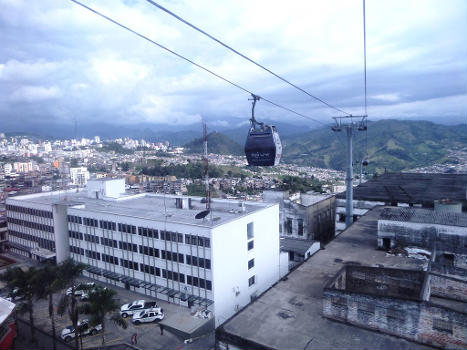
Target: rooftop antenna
<point>206,167</point>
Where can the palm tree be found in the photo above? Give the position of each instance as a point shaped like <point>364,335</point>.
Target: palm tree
<point>25,282</point>
<point>68,273</point>
<point>50,284</point>
<point>101,302</point>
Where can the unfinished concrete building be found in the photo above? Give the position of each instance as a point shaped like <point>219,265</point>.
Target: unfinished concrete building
<point>416,305</point>
<point>306,221</point>
<point>442,233</point>
<point>424,228</point>
<point>424,306</point>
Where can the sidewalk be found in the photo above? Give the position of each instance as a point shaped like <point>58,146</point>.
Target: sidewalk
<point>177,318</point>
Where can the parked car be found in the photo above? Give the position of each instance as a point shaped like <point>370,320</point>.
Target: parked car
<point>135,307</point>
<point>85,295</point>
<point>68,333</point>
<point>151,315</point>
<point>15,295</point>
<point>81,289</point>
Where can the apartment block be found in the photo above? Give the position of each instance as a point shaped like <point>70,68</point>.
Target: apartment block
<point>164,246</point>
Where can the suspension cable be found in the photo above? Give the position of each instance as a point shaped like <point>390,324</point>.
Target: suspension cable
<point>364,52</point>
<point>244,56</point>
<point>195,64</point>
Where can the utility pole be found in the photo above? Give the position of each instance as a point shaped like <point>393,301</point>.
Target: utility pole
<point>350,124</point>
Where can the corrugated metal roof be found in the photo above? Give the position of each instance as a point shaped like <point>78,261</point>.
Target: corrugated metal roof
<point>411,188</point>
<point>424,216</point>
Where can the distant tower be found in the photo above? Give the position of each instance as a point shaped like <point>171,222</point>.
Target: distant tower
<point>76,129</point>
<point>206,167</point>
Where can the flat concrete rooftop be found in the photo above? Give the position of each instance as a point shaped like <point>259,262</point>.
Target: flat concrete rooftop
<point>157,207</point>
<point>289,315</point>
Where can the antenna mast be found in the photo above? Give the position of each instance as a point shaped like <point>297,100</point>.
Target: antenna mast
<point>206,167</point>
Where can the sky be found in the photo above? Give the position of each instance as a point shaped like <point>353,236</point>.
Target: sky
<point>60,62</point>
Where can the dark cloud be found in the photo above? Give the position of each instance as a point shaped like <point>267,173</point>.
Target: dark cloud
<point>59,62</point>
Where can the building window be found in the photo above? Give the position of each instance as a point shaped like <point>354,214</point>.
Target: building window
<point>251,245</point>
<point>358,275</point>
<point>250,230</point>
<point>251,281</point>
<point>442,325</point>
<point>395,315</point>
<point>300,227</point>
<point>288,226</point>
<point>365,308</point>
<point>251,263</point>
<point>338,301</point>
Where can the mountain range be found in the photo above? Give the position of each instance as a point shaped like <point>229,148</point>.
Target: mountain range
<point>391,145</point>
<point>217,143</point>
<point>388,144</point>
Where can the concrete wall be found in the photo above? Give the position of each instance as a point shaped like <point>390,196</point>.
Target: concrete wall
<point>384,282</point>
<point>321,220</point>
<point>62,244</point>
<point>448,287</point>
<point>421,235</point>
<point>230,256</point>
<point>410,319</point>
<point>105,188</point>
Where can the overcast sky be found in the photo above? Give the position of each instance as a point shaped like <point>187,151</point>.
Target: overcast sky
<point>59,61</point>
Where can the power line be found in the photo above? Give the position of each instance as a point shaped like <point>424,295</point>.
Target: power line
<point>194,63</point>
<point>364,52</point>
<point>244,56</point>
<point>364,68</point>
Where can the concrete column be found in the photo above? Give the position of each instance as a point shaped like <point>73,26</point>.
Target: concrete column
<point>62,243</point>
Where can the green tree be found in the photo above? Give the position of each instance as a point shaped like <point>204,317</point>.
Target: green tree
<point>25,283</point>
<point>68,273</point>
<point>125,166</point>
<point>101,302</point>
<point>49,284</point>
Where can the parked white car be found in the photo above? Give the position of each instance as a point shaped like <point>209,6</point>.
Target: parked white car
<point>68,333</point>
<point>135,307</point>
<point>81,289</point>
<point>15,295</point>
<point>152,315</point>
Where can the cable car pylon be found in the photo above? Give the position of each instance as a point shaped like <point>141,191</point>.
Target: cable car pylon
<point>351,124</point>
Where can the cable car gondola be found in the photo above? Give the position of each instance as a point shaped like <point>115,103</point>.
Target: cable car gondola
<point>263,145</point>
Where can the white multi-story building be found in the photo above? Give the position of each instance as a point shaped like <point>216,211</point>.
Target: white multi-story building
<point>79,176</point>
<point>154,244</point>
<point>22,167</point>
<point>7,168</point>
